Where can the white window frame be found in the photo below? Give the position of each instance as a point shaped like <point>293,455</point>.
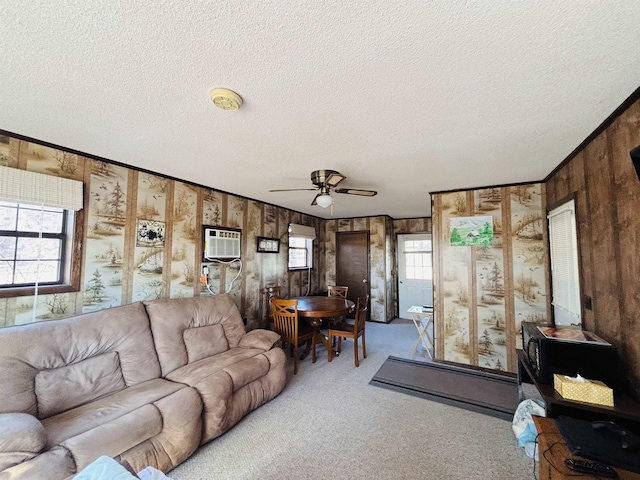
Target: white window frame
<point>308,248</point>
<point>40,190</point>
<point>426,254</point>
<point>565,272</point>
<point>68,279</point>
<point>301,235</point>
<point>62,236</point>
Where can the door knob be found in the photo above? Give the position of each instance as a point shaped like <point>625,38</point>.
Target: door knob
<point>364,280</point>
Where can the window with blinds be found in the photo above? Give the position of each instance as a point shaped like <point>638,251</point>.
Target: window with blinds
<point>38,217</point>
<point>565,278</point>
<point>301,246</point>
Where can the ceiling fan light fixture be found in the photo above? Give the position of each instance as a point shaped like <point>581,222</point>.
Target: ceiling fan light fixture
<point>324,200</point>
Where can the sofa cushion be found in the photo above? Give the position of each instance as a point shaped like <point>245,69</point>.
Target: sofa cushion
<point>181,432</point>
<point>22,437</point>
<point>26,350</point>
<point>202,342</point>
<point>76,421</point>
<point>242,365</point>
<point>115,436</point>
<point>53,464</point>
<point>247,371</point>
<point>63,388</point>
<point>169,318</point>
<point>233,384</point>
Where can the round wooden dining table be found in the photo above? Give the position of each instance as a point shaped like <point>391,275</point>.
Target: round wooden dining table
<point>315,308</point>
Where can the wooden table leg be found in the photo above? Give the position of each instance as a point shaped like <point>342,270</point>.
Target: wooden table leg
<point>316,323</point>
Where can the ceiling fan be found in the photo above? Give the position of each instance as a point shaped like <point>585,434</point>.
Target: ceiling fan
<point>325,181</point>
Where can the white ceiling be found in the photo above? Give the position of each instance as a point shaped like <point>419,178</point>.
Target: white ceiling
<point>403,97</point>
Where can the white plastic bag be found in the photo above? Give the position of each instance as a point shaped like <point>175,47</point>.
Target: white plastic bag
<point>523,427</point>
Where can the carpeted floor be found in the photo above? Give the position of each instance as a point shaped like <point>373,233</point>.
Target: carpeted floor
<point>330,423</point>
<point>475,390</point>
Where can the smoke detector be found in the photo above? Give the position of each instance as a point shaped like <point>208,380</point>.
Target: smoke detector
<point>226,99</point>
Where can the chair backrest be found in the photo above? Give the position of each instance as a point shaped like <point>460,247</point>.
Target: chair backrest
<point>362,305</point>
<point>275,291</point>
<point>269,293</point>
<point>285,318</point>
<point>337,291</point>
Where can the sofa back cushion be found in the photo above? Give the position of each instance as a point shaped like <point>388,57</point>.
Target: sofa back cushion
<point>49,366</point>
<point>182,330</point>
<point>63,388</point>
<point>202,342</point>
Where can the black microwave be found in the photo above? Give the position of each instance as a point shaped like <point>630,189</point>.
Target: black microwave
<point>569,351</point>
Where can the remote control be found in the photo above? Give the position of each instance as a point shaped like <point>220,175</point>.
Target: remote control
<point>587,466</point>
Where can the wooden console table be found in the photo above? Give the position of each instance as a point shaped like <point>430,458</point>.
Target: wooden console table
<point>552,452</point>
<point>625,410</point>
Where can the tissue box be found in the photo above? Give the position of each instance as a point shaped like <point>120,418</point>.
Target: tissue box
<point>589,391</point>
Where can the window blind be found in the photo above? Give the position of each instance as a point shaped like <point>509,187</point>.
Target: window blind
<point>565,279</point>
<point>302,231</point>
<point>22,186</point>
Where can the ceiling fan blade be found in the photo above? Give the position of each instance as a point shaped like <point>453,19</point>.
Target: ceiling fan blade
<point>356,191</point>
<point>295,190</point>
<point>334,179</point>
<point>314,203</point>
<point>326,178</point>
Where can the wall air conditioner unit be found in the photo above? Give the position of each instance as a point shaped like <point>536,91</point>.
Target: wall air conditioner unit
<point>302,231</point>
<point>221,243</point>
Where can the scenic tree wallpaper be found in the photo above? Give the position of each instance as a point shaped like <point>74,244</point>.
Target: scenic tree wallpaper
<point>491,242</point>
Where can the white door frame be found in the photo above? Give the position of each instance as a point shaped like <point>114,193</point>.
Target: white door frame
<point>411,292</point>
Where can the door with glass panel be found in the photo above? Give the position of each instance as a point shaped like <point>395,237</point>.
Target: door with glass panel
<point>415,272</point>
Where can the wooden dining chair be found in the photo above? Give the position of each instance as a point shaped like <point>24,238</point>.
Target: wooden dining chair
<point>287,325</point>
<point>346,329</point>
<point>269,293</point>
<point>337,291</point>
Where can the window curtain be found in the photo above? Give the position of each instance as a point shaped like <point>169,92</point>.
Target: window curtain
<point>22,186</point>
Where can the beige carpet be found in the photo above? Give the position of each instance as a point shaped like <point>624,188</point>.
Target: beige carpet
<point>330,423</point>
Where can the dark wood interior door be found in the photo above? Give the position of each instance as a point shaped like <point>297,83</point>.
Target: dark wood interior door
<point>352,263</point>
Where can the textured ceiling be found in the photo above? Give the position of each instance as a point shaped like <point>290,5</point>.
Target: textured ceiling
<point>403,97</point>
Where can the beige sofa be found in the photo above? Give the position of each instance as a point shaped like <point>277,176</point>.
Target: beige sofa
<point>145,384</point>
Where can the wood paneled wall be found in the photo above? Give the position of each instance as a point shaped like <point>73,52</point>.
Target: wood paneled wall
<point>606,188</point>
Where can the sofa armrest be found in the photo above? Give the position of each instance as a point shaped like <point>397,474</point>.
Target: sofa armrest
<point>22,437</point>
<point>259,338</point>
